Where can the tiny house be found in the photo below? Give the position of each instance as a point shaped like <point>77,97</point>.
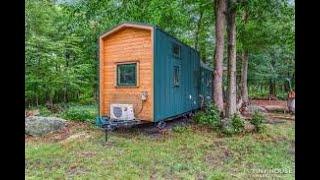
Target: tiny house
<point>146,74</point>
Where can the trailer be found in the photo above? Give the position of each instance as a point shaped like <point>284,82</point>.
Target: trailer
<point>148,76</point>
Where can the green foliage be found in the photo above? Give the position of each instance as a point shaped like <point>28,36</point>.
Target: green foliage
<point>210,116</point>
<point>61,55</point>
<point>87,101</point>
<point>44,111</point>
<point>180,129</point>
<point>57,66</point>
<point>262,92</point>
<point>227,130</point>
<point>267,33</point>
<point>234,125</point>
<point>200,117</point>
<point>237,123</point>
<point>257,120</point>
<point>80,113</point>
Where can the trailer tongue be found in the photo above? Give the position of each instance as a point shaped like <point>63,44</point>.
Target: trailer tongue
<point>108,124</point>
<point>112,124</point>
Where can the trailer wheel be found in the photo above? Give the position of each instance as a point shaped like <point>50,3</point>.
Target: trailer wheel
<point>186,118</point>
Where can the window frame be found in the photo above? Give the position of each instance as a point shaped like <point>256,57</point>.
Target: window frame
<point>174,44</point>
<point>176,81</point>
<point>117,64</point>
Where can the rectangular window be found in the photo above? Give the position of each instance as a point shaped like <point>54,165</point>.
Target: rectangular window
<point>176,50</point>
<point>127,74</point>
<point>176,74</point>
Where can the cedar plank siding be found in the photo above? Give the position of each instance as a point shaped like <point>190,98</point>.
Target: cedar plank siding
<point>127,45</point>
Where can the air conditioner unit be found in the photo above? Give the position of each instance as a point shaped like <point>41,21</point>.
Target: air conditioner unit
<point>121,111</point>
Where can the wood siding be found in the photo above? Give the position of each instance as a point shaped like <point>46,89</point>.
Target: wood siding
<point>127,45</point>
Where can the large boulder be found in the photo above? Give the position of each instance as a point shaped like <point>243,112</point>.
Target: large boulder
<point>291,105</point>
<point>38,126</point>
<point>252,108</point>
<point>275,108</point>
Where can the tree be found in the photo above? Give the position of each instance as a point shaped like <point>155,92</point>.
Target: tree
<point>244,97</point>
<point>231,33</point>
<point>220,6</point>
<point>261,26</point>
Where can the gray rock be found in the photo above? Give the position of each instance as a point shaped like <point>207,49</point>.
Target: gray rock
<point>291,105</point>
<point>253,108</point>
<point>248,127</point>
<point>225,122</point>
<point>38,126</point>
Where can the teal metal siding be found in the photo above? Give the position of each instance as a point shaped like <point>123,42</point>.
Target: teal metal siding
<point>170,100</point>
<point>206,84</point>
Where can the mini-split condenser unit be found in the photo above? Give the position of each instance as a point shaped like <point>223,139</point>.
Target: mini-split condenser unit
<point>121,111</point>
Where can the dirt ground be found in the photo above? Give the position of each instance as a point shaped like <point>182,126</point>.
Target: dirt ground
<point>275,117</point>
<point>280,103</point>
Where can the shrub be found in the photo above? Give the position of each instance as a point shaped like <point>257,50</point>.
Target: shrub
<point>200,117</point>
<point>44,111</point>
<point>80,113</point>
<point>87,101</point>
<point>257,120</point>
<point>237,123</point>
<point>180,129</point>
<point>210,116</point>
<point>227,130</point>
<point>233,125</point>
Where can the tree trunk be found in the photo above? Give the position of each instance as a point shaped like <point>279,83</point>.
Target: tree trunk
<point>244,78</point>
<point>37,100</point>
<point>65,95</point>
<point>292,81</point>
<point>220,6</point>
<point>286,86</point>
<point>244,70</point>
<point>231,29</point>
<point>272,83</point>
<point>272,89</point>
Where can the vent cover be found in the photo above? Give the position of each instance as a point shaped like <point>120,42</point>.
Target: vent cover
<point>117,111</point>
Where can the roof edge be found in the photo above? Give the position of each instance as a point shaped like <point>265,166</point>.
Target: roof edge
<point>202,64</point>
<point>123,25</point>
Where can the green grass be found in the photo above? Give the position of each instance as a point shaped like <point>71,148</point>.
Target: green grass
<point>192,153</point>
